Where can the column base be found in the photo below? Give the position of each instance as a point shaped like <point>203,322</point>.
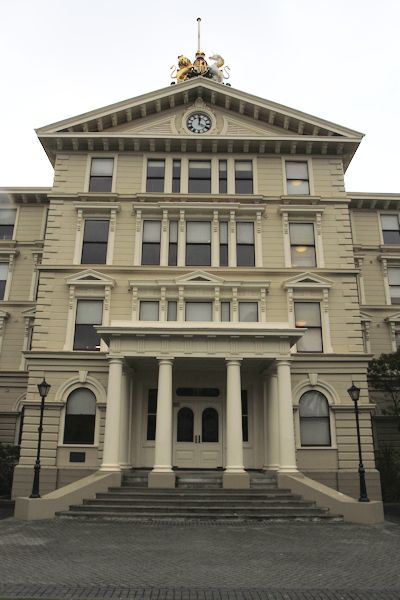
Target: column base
<point>235,481</point>
<point>110,468</point>
<point>267,468</point>
<point>164,479</point>
<point>288,469</point>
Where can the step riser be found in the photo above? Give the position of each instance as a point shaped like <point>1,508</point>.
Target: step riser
<point>187,517</point>
<point>198,511</point>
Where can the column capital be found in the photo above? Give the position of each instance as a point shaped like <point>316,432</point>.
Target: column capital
<point>115,360</point>
<point>165,361</point>
<point>283,362</point>
<point>233,361</point>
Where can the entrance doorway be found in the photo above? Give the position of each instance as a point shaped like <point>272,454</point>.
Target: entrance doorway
<point>197,434</point>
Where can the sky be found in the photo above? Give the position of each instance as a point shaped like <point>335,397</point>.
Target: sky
<point>335,59</point>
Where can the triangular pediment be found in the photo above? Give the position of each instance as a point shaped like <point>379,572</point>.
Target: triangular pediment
<point>199,277</point>
<point>89,278</point>
<point>4,315</point>
<point>395,318</point>
<point>29,313</point>
<point>308,280</point>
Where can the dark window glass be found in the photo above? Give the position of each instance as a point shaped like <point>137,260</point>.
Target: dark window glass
<point>80,417</point>
<point>245,416</point>
<point>101,174</point>
<point>176,176</point>
<point>200,392</point>
<point>89,314</point>
<point>223,177</point>
<point>225,311</point>
<point>95,238</point>
<point>243,177</point>
<point>151,242</point>
<point>173,244</point>
<point>151,415</point>
<point>394,284</point>
<point>314,420</point>
<point>185,426</point>
<point>199,177</point>
<point>248,312</point>
<point>155,176</point>
<point>7,221</point>
<point>308,314</point>
<point>198,243</point>
<point>223,244</point>
<point>297,178</point>
<point>245,254</point>
<point>209,425</point>
<point>3,279</point>
<point>390,229</point>
<point>302,245</point>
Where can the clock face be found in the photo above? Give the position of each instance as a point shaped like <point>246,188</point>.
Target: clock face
<point>198,122</point>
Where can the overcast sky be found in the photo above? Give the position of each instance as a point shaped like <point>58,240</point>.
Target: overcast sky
<point>335,59</point>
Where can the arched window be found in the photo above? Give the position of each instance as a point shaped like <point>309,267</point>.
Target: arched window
<point>185,425</point>
<point>209,425</point>
<point>80,417</point>
<point>314,420</point>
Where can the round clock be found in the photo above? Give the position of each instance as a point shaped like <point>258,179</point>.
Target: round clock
<point>198,122</point>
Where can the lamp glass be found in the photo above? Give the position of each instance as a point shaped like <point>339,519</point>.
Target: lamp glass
<point>44,388</point>
<point>354,392</point>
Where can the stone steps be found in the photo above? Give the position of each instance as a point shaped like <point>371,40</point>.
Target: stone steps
<point>309,516</point>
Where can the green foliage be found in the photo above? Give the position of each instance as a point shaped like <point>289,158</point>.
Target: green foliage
<point>8,459</point>
<point>384,376</point>
<point>388,463</point>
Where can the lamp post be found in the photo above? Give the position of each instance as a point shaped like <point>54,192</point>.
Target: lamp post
<point>44,389</point>
<point>354,393</point>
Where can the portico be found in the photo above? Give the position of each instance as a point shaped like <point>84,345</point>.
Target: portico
<point>200,426</point>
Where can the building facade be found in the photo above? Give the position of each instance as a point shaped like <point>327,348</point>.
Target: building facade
<point>199,290</point>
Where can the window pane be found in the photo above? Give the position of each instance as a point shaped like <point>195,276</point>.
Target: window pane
<point>248,311</point>
<point>7,216</point>
<point>185,425</point>
<point>301,233</point>
<point>198,254</point>
<point>81,402</point>
<point>79,429</point>
<point>395,294</point>
<point>315,432</point>
<point>152,401</point>
<point>243,169</point>
<point>150,254</point>
<point>148,310</point>
<point>151,231</point>
<point>314,404</point>
<point>296,170</point>
<point>307,314</point>
<point>102,167</point>
<point>245,256</point>
<point>223,255</point>
<point>173,231</point>
<point>151,427</point>
<point>176,176</point>
<point>89,312</point>
<point>2,288</point>
<point>389,237</point>
<point>100,184</point>
<point>3,271</point>
<point>390,222</point>
<point>172,310</point>
<point>86,338</point>
<point>96,231</point>
<point>198,232</point>
<point>225,311</point>
<point>311,341</point>
<point>155,185</point>
<point>303,256</point>
<point>223,183</point>
<point>199,169</point>
<point>244,186</point>
<point>296,186</point>
<point>394,276</point>
<point>94,253</point>
<point>198,311</point>
<point>209,425</point>
<point>245,233</point>
<point>223,233</point>
<point>155,168</point>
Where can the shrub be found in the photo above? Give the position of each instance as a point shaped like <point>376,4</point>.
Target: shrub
<point>388,463</point>
<point>8,459</point>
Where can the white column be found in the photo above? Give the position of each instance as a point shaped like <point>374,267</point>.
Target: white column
<point>113,417</point>
<point>234,432</point>
<point>232,239</point>
<point>164,239</point>
<point>181,258</point>
<point>287,451</point>
<point>272,422</point>
<point>124,450</point>
<point>163,449</point>
<point>215,240</point>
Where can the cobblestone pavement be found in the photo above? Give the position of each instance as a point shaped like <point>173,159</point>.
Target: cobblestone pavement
<point>199,561</point>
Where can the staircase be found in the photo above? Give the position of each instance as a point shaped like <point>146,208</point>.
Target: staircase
<point>198,496</point>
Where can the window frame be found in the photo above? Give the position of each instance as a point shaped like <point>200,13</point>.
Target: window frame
<point>381,230</point>
<point>237,179</point>
<point>14,232</point>
<point>241,245</point>
<point>64,391</point>
<point>80,444</point>
<point>208,244</point>
<point>98,219</point>
<point>333,401</point>
<point>208,179</point>
<point>314,245</point>
<point>163,178</point>
<point>93,211</point>
<point>85,299</point>
<point>320,327</point>
<point>90,157</point>
<point>308,161</point>
<point>152,301</point>
<point>143,242</point>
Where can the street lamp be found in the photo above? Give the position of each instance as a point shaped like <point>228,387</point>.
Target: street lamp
<point>43,389</point>
<point>354,393</point>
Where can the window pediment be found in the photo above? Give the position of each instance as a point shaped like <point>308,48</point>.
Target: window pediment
<point>199,277</point>
<point>90,278</point>
<point>308,280</point>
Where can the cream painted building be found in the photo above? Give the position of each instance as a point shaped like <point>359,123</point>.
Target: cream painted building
<point>199,290</point>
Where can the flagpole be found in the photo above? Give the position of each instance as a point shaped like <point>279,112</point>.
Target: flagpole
<point>198,33</point>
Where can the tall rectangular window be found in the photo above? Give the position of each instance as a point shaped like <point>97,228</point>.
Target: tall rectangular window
<point>89,314</point>
<point>225,311</point>
<point>223,177</point>
<point>302,245</point>
<point>3,279</point>
<point>101,174</point>
<point>151,415</point>
<point>248,312</point>
<point>7,222</point>
<point>149,310</point>
<point>245,416</point>
<point>390,229</point>
<point>245,255</point>
<point>199,177</point>
<point>155,175</point>
<point>297,178</point>
<point>95,239</point>
<point>198,311</point>
<point>308,314</point>
<point>223,244</point>
<point>151,242</point>
<point>243,177</point>
<point>198,243</point>
<point>173,244</point>
<point>172,310</point>
<point>394,284</point>
<point>176,176</point>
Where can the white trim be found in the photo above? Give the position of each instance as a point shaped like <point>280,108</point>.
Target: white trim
<point>95,211</point>
<point>333,400</point>
<point>297,158</point>
<point>89,158</point>
<point>308,215</point>
<point>8,257</point>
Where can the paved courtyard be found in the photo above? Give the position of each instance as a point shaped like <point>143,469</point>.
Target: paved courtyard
<point>299,561</point>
